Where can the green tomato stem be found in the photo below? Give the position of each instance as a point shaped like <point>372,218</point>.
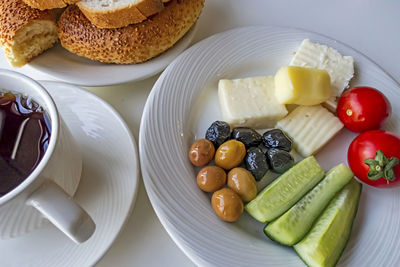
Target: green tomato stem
<point>381,167</point>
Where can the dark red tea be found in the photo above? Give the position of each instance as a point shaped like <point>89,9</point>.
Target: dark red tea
<point>24,136</point>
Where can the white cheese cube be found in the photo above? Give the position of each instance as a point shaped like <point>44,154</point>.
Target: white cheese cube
<point>250,102</point>
<point>340,68</point>
<point>310,128</point>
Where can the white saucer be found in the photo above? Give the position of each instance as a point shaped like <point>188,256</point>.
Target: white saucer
<point>107,190</point>
<point>64,66</point>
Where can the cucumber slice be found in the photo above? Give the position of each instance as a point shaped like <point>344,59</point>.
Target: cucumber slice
<point>327,239</point>
<point>294,224</point>
<point>285,191</point>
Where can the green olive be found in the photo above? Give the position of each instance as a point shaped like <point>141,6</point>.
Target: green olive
<point>227,205</point>
<point>243,183</point>
<point>211,178</point>
<point>201,152</point>
<point>230,154</point>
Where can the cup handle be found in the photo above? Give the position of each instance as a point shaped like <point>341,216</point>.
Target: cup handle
<point>60,209</point>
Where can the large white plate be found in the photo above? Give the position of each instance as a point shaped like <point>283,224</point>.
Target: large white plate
<point>184,102</point>
<point>62,65</point>
<point>107,189</point>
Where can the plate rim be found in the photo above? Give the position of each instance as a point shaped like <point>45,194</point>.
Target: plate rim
<point>152,194</point>
<point>174,51</point>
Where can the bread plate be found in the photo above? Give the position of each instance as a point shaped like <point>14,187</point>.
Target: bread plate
<point>184,102</point>
<point>62,65</point>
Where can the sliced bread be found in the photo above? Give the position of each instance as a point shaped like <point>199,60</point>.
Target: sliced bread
<point>45,4</point>
<point>49,4</point>
<point>118,13</point>
<point>25,32</point>
<point>132,44</point>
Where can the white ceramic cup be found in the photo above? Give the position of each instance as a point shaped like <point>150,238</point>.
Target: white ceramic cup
<point>42,191</point>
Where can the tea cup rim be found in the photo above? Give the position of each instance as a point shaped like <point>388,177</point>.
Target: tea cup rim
<point>51,110</point>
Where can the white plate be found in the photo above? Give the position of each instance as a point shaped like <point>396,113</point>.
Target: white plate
<point>62,65</point>
<point>184,102</point>
<point>107,189</point>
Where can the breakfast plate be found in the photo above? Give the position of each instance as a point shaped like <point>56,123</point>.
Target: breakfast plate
<point>62,65</point>
<point>107,190</point>
<point>183,104</point>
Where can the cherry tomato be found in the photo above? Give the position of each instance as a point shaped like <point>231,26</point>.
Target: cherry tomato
<point>373,156</point>
<point>363,108</point>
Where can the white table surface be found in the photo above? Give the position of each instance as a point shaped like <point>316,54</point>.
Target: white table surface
<point>370,26</point>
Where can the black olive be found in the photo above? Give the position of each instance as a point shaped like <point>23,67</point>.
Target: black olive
<point>256,162</point>
<point>247,136</point>
<point>263,148</point>
<point>279,160</point>
<point>277,139</point>
<point>218,133</point>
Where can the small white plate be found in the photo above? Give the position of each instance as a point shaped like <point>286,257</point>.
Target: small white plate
<point>107,190</point>
<point>182,105</point>
<point>62,65</point>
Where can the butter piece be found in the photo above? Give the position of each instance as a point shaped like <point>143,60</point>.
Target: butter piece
<point>340,68</point>
<point>302,86</point>
<point>310,128</point>
<point>250,102</point>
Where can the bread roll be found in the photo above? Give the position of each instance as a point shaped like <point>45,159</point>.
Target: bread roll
<point>118,13</point>
<point>132,44</point>
<point>25,32</point>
